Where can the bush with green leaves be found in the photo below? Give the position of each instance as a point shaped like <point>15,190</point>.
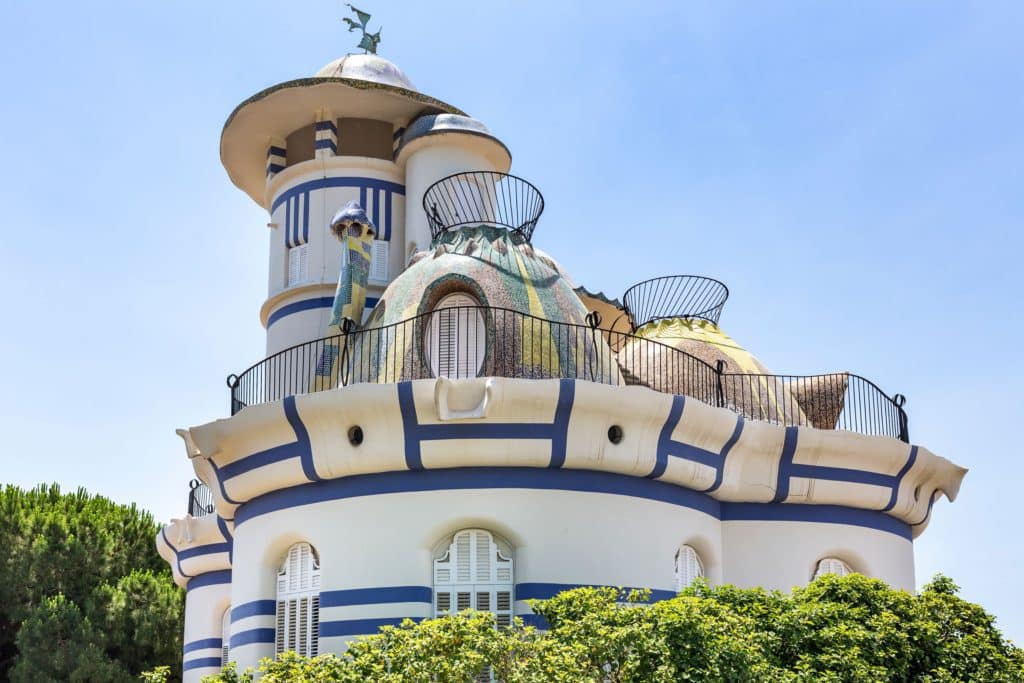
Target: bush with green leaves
<point>851,629</point>
<point>84,596</point>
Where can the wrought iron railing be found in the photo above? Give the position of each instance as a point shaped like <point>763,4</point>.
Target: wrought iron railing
<point>483,198</point>
<point>200,499</point>
<point>468,341</point>
<point>675,296</point>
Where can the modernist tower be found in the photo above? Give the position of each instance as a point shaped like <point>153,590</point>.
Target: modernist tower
<point>445,420</point>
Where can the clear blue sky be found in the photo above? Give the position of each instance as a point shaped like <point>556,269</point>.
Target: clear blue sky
<point>852,171</point>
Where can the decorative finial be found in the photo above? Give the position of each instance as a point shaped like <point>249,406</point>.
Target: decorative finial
<point>370,41</point>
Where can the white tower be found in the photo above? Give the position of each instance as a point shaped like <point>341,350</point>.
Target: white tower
<point>357,130</point>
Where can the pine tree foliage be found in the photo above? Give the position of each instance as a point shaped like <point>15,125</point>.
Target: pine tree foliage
<point>81,572</point>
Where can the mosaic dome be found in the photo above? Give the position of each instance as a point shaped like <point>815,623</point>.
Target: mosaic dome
<point>525,300</point>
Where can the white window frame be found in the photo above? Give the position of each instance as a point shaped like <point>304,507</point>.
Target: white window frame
<point>297,623</point>
<point>688,566</point>
<point>225,636</point>
<point>455,343</point>
<point>297,265</point>
<point>831,565</point>
<point>473,572</point>
<point>379,253</point>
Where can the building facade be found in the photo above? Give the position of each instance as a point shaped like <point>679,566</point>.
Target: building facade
<point>445,420</point>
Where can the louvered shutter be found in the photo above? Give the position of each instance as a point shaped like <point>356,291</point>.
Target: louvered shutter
<point>225,637</point>
<point>456,342</point>
<point>832,565</point>
<point>298,602</point>
<point>473,574</point>
<point>298,264</point>
<point>688,567</point>
<point>379,260</point>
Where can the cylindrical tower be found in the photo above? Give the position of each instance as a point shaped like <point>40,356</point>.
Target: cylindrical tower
<point>304,148</point>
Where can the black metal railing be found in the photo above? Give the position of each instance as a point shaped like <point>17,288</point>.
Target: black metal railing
<point>675,296</point>
<point>483,198</point>
<point>469,341</point>
<point>200,499</point>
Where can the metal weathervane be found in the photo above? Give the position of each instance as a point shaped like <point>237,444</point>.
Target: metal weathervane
<point>370,41</point>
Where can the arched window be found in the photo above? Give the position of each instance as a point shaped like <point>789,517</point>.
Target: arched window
<point>831,565</point>
<point>225,637</point>
<point>298,602</point>
<point>474,572</point>
<point>456,339</point>
<point>688,567</point>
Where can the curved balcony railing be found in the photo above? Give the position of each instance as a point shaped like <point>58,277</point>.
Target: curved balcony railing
<point>466,341</point>
<point>483,198</point>
<point>200,499</point>
<point>675,296</point>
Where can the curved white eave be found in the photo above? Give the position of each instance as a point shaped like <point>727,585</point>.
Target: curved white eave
<point>758,451</point>
<point>278,111</point>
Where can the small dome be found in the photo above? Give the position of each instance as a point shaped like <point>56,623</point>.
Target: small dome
<point>372,68</point>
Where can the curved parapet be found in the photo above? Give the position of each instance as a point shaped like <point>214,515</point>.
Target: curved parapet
<point>744,469</point>
<point>196,546</point>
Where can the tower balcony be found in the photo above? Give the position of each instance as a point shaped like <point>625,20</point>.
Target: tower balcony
<point>462,342</point>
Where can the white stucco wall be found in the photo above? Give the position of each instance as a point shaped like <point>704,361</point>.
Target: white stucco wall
<point>324,251</point>
<point>432,158</point>
<point>204,610</point>
<point>558,537</point>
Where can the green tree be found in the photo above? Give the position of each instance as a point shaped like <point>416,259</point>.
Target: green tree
<point>140,619</point>
<point>57,643</point>
<point>83,548</point>
<point>848,629</point>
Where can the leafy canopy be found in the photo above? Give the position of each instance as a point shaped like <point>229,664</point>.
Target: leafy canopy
<point>851,629</point>
<point>83,593</point>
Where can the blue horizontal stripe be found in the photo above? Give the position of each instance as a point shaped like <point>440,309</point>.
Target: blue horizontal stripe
<point>310,304</point>
<point>256,608</point>
<point>275,168</point>
<point>254,635</point>
<point>841,474</point>
<point>276,151</point>
<point>259,459</point>
<point>560,480</point>
<point>202,663</point>
<point>474,478</point>
<point>693,453</point>
<point>534,620</point>
<point>210,579</point>
<point>358,627</point>
<point>492,430</point>
<point>323,183</point>
<point>209,549</point>
<point>825,514</point>
<point>376,596</point>
<point>204,644</point>
<point>325,144</point>
<point>545,591</point>
<point>326,125</point>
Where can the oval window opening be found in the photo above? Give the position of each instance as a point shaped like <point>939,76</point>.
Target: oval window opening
<point>456,339</point>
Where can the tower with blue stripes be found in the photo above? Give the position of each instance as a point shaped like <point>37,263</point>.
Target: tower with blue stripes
<point>445,420</point>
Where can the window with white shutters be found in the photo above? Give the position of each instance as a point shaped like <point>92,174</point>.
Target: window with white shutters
<point>298,602</point>
<point>688,567</point>
<point>831,565</point>
<point>474,573</point>
<point>225,635</point>
<point>456,339</point>
<point>379,261</point>
<point>298,264</point>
